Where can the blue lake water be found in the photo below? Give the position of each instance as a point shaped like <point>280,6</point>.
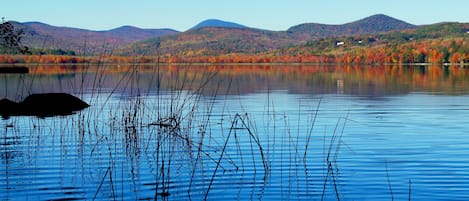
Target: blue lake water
<point>242,133</point>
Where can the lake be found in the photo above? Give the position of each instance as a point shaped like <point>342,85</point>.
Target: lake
<point>282,132</point>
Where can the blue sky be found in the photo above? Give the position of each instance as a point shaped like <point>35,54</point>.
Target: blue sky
<point>265,14</point>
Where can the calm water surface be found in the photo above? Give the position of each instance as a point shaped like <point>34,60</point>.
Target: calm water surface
<point>241,133</point>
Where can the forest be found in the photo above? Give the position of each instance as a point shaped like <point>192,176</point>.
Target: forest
<point>443,43</point>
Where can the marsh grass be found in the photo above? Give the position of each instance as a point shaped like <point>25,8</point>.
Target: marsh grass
<point>163,126</point>
<point>172,118</point>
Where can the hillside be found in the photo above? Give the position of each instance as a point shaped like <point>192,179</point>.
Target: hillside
<point>376,39</point>
<point>43,36</point>
<point>210,37</point>
<point>437,43</point>
<point>212,41</point>
<point>133,34</point>
<point>370,25</point>
<point>223,40</point>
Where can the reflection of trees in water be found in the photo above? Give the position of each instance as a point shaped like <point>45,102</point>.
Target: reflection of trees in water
<point>368,81</point>
<point>231,79</point>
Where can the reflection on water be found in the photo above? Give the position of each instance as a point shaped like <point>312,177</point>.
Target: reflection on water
<point>241,132</point>
<point>371,81</point>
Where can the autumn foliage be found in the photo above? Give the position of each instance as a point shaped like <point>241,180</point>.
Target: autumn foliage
<point>431,51</point>
<point>435,44</point>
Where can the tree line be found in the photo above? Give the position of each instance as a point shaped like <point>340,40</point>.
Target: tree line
<point>436,44</point>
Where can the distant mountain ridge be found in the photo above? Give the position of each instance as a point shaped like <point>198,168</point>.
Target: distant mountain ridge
<point>212,40</point>
<point>134,33</point>
<point>208,37</point>
<point>209,40</point>
<point>43,36</point>
<point>217,23</point>
<point>370,25</point>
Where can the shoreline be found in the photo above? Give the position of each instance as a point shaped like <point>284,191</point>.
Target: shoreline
<point>19,65</point>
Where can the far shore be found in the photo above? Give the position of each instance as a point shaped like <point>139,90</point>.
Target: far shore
<point>8,65</point>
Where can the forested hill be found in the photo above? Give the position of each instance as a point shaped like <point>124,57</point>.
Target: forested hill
<point>370,25</point>
<point>43,37</point>
<point>390,41</point>
<point>212,40</point>
<point>437,43</point>
<point>206,38</point>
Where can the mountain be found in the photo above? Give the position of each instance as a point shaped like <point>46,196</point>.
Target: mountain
<point>435,43</point>
<point>43,36</point>
<point>207,38</point>
<point>217,23</point>
<point>379,23</point>
<point>370,25</point>
<point>134,34</point>
<point>212,40</point>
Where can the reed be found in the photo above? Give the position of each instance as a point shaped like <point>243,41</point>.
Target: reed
<point>389,180</point>
<point>410,189</point>
<point>331,158</point>
<point>170,120</point>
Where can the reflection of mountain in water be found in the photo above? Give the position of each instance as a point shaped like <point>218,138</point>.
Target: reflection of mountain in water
<point>365,81</point>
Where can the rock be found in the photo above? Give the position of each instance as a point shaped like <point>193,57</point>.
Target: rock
<point>43,105</point>
<point>8,107</point>
<point>14,70</point>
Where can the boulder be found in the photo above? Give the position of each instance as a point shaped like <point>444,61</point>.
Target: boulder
<point>43,105</point>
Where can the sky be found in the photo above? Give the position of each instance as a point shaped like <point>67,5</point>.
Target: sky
<point>264,14</point>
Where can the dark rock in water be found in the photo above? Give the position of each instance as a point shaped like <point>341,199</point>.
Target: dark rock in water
<point>14,70</point>
<point>8,107</point>
<point>42,105</point>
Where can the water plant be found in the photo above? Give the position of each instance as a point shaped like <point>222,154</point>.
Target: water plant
<point>164,132</point>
